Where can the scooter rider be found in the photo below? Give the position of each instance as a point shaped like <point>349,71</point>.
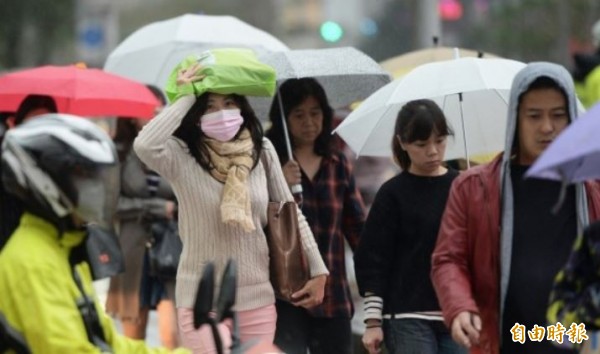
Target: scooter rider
<point>65,171</point>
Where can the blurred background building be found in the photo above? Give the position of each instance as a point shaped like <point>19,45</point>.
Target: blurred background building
<point>36,32</point>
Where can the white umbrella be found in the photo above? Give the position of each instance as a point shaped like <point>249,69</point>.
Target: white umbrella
<point>402,64</point>
<point>472,92</point>
<point>149,54</point>
<point>346,74</point>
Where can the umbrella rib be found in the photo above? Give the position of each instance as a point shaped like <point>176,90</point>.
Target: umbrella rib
<point>373,130</point>
<point>501,97</point>
<point>464,130</point>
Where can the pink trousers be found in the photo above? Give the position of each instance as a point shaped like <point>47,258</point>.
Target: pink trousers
<point>254,324</point>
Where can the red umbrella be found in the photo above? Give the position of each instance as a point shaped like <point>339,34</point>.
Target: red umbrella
<point>80,91</point>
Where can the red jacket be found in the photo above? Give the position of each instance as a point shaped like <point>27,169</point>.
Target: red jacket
<point>466,260</point>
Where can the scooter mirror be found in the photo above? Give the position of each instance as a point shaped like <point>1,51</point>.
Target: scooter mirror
<point>204,296</point>
<point>226,298</point>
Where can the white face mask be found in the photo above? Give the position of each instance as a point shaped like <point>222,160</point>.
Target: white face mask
<point>91,199</point>
<point>221,125</point>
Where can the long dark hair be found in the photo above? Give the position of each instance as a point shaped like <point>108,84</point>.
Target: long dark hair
<point>32,102</point>
<point>293,92</point>
<point>417,120</point>
<point>189,132</point>
<point>126,130</point>
<point>125,133</point>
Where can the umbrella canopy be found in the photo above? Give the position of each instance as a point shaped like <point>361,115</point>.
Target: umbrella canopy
<point>149,54</point>
<point>79,91</point>
<point>346,74</point>
<point>478,120</point>
<point>574,156</point>
<point>400,65</point>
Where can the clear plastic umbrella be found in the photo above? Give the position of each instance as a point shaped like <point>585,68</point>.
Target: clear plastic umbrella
<point>149,54</point>
<point>346,74</point>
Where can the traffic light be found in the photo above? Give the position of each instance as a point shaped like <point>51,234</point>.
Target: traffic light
<point>331,31</point>
<point>450,10</point>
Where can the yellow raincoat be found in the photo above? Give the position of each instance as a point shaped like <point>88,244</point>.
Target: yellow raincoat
<point>588,91</point>
<point>38,294</point>
<point>592,87</point>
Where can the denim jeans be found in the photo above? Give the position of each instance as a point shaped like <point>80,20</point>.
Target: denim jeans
<point>416,336</point>
<point>297,331</point>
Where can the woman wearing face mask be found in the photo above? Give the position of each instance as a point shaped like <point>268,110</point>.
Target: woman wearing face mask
<point>209,148</point>
<point>334,210</point>
<point>393,259</point>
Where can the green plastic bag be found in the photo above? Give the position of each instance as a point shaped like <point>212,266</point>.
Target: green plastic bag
<point>228,71</point>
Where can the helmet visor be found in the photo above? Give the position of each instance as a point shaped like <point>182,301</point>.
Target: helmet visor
<point>97,195</point>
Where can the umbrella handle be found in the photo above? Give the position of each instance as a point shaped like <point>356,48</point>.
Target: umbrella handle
<point>297,188</point>
<point>286,135</point>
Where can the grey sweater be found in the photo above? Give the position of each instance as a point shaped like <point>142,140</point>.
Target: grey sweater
<point>205,237</point>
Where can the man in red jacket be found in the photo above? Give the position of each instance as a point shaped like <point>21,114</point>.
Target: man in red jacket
<point>500,245</point>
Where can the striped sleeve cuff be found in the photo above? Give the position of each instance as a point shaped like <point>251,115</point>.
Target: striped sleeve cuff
<point>373,306</point>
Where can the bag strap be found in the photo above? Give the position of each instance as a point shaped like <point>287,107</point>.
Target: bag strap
<point>91,320</point>
<point>263,159</point>
<point>266,165</point>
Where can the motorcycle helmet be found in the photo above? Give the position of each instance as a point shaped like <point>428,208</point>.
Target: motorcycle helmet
<point>64,168</point>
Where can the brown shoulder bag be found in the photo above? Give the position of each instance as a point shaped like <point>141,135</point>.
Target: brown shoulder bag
<point>288,265</point>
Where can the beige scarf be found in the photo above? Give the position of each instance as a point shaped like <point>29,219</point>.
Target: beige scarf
<point>232,162</point>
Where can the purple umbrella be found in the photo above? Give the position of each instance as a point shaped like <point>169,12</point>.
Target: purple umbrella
<point>575,154</point>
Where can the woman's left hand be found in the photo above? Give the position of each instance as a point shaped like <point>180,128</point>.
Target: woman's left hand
<point>312,293</point>
<point>291,171</point>
<point>170,209</point>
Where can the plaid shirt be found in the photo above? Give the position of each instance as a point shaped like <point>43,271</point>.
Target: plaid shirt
<point>334,209</point>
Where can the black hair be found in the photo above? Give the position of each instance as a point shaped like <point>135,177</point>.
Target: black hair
<point>417,120</point>
<point>33,102</point>
<point>293,92</point>
<point>543,82</point>
<point>540,83</point>
<point>3,124</point>
<point>127,130</point>
<point>158,94</point>
<point>190,133</point>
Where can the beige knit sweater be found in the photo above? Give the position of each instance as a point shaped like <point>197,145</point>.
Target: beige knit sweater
<point>205,238</point>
